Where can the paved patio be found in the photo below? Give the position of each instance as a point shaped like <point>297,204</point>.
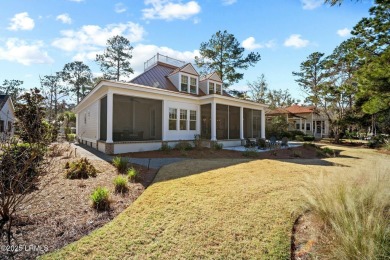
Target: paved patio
<point>242,148</point>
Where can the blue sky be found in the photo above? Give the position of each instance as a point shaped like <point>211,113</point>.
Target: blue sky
<point>39,37</point>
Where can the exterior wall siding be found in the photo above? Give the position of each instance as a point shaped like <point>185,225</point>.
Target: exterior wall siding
<point>88,122</point>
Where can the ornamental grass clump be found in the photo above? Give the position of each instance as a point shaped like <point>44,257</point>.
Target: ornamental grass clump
<point>120,163</point>
<point>120,183</point>
<point>100,199</point>
<point>132,174</point>
<point>356,208</point>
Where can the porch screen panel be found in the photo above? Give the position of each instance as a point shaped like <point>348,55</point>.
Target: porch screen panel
<point>248,133</point>
<point>136,119</point>
<point>103,119</point>
<point>234,122</point>
<point>205,123</point>
<point>222,121</point>
<point>256,123</point>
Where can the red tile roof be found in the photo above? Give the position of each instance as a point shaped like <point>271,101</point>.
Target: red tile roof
<point>296,109</point>
<point>278,111</point>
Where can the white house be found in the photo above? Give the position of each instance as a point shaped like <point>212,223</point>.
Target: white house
<point>7,117</point>
<point>307,119</point>
<point>168,102</point>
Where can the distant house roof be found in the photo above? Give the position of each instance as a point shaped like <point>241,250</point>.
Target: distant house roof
<point>296,109</point>
<point>3,100</point>
<point>293,110</point>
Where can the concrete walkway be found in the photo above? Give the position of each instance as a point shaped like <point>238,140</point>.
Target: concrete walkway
<point>93,154</point>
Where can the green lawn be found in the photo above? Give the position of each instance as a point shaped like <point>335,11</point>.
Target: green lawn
<point>208,209</point>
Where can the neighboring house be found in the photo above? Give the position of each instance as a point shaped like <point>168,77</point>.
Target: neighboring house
<point>167,103</point>
<point>308,119</point>
<point>7,117</point>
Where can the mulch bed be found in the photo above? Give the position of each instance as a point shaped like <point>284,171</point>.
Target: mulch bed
<point>207,153</point>
<point>60,211</point>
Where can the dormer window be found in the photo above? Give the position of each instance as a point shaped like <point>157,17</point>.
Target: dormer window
<point>184,83</point>
<point>211,88</point>
<point>193,85</point>
<point>219,88</point>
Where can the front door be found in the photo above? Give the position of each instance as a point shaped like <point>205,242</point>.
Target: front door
<point>319,124</point>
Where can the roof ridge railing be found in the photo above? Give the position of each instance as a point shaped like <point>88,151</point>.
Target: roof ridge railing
<point>162,58</point>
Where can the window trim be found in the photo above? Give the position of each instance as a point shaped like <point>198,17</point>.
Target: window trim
<point>193,120</point>
<point>172,119</point>
<point>210,82</point>
<point>216,88</point>
<point>191,86</point>
<point>182,76</point>
<point>184,113</point>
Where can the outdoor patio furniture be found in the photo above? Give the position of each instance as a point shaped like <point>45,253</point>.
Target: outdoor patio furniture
<point>262,144</point>
<point>272,142</point>
<point>250,143</point>
<point>284,142</point>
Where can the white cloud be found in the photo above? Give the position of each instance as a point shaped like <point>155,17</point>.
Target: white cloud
<point>64,18</point>
<point>20,51</point>
<point>21,21</point>
<point>228,2</point>
<point>251,44</point>
<point>296,41</point>
<point>93,37</point>
<point>120,8</point>
<point>142,53</point>
<point>311,4</point>
<point>344,32</point>
<point>78,1</point>
<point>170,10</point>
<point>196,20</point>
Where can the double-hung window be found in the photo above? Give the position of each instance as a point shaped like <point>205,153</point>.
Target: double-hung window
<point>192,120</point>
<point>193,85</point>
<point>218,88</point>
<point>184,83</point>
<point>211,88</point>
<point>172,118</point>
<point>183,119</point>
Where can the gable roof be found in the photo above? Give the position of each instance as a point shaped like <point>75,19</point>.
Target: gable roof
<point>213,76</point>
<point>296,109</point>
<point>3,100</point>
<point>187,68</point>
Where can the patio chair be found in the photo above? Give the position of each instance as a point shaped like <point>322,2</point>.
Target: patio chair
<point>249,143</point>
<point>284,142</point>
<point>272,142</point>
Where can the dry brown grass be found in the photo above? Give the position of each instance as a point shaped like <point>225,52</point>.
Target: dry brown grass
<point>233,208</point>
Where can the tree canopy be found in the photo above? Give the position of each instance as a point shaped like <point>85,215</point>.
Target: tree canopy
<point>78,75</point>
<point>223,54</point>
<point>11,88</point>
<point>115,61</point>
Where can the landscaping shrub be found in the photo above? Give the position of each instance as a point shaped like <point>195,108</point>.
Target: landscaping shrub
<point>356,209</point>
<point>70,137</point>
<point>120,163</point>
<point>183,146</point>
<point>262,143</point>
<point>294,133</point>
<point>297,154</point>
<point>80,169</point>
<point>308,145</point>
<point>100,199</point>
<point>165,147</point>
<point>216,146</point>
<point>55,150</point>
<point>308,138</point>
<point>299,138</point>
<point>120,183</point>
<point>132,174</point>
<point>250,152</point>
<point>197,142</point>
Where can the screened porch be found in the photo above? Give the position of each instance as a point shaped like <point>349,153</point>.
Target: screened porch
<point>134,119</point>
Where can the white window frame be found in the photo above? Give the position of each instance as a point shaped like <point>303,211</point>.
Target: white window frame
<point>218,88</point>
<point>196,85</point>
<point>182,82</point>
<point>193,112</point>
<point>172,118</point>
<point>183,117</point>
<point>210,87</point>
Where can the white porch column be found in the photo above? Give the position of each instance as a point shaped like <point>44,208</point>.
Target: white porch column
<point>213,121</point>
<point>110,100</point>
<point>263,123</point>
<point>241,123</point>
<point>300,124</point>
<point>164,122</point>
<point>305,126</point>
<point>77,124</point>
